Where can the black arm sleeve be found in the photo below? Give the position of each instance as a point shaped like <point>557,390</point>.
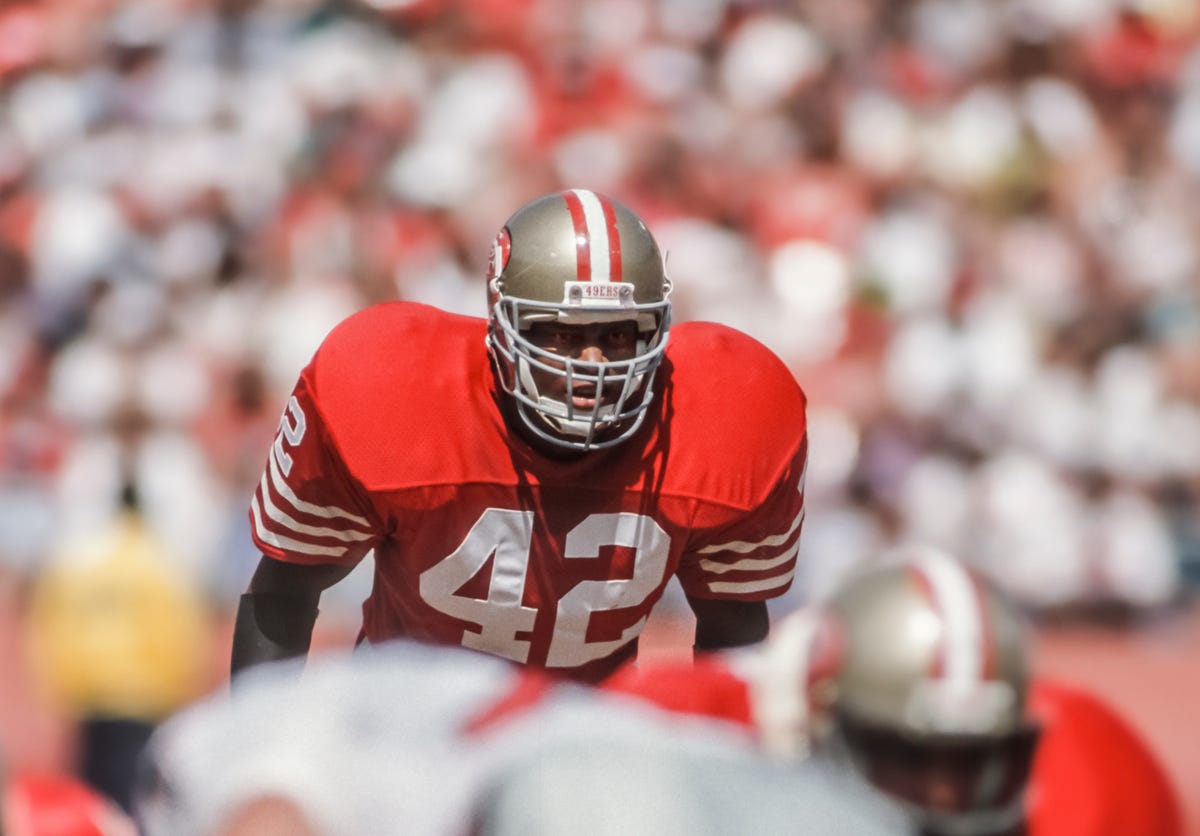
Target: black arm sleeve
<point>724,624</point>
<point>270,627</point>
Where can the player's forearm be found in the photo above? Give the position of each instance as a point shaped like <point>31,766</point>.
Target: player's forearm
<point>270,627</point>
<point>276,615</point>
<point>726,624</point>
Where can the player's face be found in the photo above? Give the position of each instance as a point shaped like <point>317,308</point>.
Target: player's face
<point>597,342</point>
<point>936,782</point>
<point>950,777</point>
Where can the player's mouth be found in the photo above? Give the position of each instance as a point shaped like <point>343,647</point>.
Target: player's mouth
<point>586,397</point>
<point>585,401</point>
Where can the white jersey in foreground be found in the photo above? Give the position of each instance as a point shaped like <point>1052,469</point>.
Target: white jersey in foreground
<point>423,741</point>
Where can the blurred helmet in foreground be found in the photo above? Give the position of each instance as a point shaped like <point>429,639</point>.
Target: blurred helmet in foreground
<point>928,697</point>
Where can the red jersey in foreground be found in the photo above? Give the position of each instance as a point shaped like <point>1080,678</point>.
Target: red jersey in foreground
<point>1093,775</point>
<point>393,440</point>
<point>46,804</point>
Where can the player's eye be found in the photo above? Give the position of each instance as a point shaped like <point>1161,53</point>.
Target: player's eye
<point>553,337</point>
<point>563,338</point>
<point>623,337</point>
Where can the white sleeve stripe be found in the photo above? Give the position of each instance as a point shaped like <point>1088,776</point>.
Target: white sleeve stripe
<point>743,547</point>
<point>751,586</point>
<point>295,526</point>
<point>288,544</point>
<point>280,484</point>
<point>750,564</point>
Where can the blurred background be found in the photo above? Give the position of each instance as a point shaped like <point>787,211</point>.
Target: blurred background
<point>970,227</point>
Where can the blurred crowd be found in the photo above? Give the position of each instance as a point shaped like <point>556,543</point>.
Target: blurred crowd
<point>969,226</point>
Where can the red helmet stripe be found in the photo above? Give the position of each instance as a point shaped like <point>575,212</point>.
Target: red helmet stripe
<point>597,240</point>
<point>957,599</point>
<point>937,666</point>
<point>614,239</point>
<point>583,246</point>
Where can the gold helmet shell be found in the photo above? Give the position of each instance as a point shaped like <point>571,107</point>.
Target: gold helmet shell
<point>577,257</point>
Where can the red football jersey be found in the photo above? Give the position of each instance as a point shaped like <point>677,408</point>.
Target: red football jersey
<point>393,440</point>
<point>1093,775</point>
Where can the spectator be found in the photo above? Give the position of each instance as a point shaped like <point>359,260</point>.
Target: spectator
<point>482,746</point>
<point>121,643</point>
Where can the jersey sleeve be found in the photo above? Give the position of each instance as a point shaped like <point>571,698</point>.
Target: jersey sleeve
<point>752,558</point>
<point>307,508</point>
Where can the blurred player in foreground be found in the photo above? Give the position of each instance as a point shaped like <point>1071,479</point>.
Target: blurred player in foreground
<point>656,785</point>
<point>530,482</point>
<point>409,739</point>
<point>916,674</point>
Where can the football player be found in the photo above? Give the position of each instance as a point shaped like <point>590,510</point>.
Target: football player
<point>435,741</point>
<point>530,482</point>
<point>916,674</point>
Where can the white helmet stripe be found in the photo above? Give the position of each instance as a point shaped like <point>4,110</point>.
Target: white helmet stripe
<point>601,236</point>
<point>958,601</point>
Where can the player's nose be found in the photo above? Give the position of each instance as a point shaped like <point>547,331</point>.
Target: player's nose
<point>592,353</point>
